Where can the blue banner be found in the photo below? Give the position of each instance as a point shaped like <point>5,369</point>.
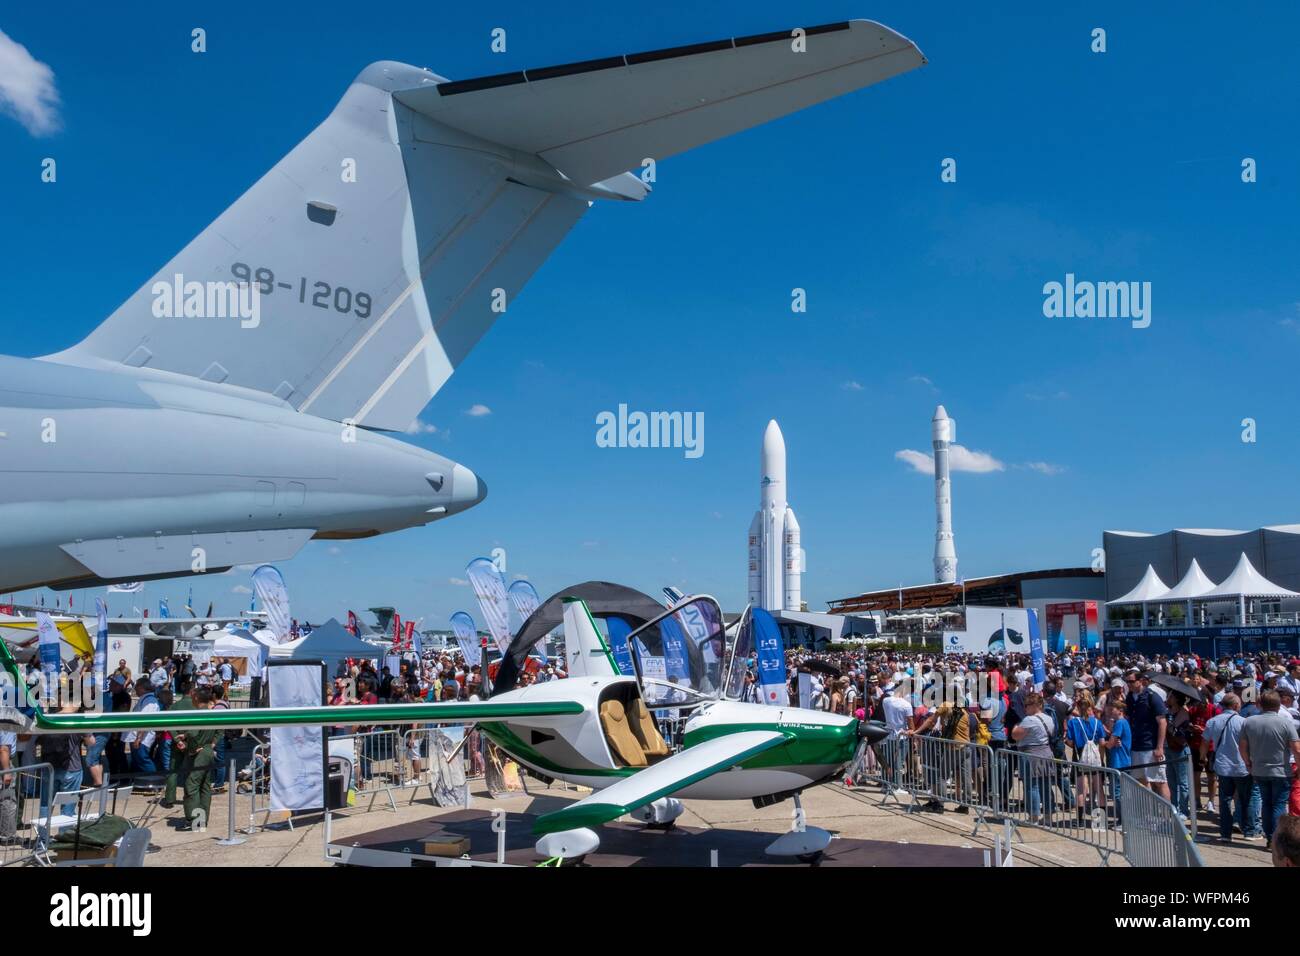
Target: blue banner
<point>676,666</point>
<point>162,608</point>
<point>1035,646</point>
<point>771,658</point>
<point>101,645</point>
<point>462,625</point>
<point>619,628</point>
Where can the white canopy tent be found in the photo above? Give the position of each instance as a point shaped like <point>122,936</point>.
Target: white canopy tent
<point>1244,583</point>
<point>230,644</point>
<point>1193,585</point>
<point>1150,588</point>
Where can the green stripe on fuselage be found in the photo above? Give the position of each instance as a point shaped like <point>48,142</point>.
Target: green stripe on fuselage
<point>805,744</point>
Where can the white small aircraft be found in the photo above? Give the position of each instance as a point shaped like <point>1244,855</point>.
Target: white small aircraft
<point>595,728</point>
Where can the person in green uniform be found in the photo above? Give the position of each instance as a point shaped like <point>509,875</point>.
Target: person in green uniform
<point>198,749</point>
<point>174,770</point>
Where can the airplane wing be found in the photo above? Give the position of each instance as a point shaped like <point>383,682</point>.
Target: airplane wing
<point>595,119</point>
<point>659,780</point>
<point>386,244</point>
<point>448,713</point>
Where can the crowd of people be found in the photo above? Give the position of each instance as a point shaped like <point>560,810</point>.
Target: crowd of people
<point>1211,736</point>
<point>1218,736</point>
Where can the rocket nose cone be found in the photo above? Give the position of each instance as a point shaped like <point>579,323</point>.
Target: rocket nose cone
<point>773,440</point>
<point>939,414</point>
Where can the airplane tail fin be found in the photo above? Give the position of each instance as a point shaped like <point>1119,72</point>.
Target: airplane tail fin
<point>385,244</point>
<point>586,653</point>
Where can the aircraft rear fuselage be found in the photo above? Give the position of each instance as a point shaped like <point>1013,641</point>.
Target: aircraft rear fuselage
<point>112,475</point>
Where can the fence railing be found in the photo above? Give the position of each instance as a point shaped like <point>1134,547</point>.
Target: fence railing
<point>23,838</point>
<point>1096,806</point>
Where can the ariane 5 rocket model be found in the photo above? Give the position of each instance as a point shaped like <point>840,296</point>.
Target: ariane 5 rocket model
<point>943,431</point>
<point>776,562</point>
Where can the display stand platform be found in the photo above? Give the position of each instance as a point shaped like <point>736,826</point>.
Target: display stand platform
<point>623,844</point>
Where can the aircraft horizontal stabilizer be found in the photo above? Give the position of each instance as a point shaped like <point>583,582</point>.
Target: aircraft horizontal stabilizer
<point>659,780</point>
<point>168,554</point>
<point>595,119</point>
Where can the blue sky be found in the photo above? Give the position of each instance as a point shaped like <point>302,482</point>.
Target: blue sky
<point>1116,166</point>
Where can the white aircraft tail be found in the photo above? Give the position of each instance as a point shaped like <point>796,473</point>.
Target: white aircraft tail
<point>387,242</point>
<point>586,653</point>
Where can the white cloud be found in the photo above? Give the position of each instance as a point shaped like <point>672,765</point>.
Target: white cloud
<point>459,582</point>
<point>960,458</point>
<point>27,90</point>
<point>1044,467</point>
<point>241,589</point>
<point>852,386</point>
<point>478,411</point>
<point>922,380</point>
<point>334,549</point>
<point>418,427</point>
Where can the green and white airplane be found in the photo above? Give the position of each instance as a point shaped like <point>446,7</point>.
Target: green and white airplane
<point>595,728</point>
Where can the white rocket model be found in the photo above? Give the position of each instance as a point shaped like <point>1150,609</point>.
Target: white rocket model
<point>943,430</point>
<point>776,562</point>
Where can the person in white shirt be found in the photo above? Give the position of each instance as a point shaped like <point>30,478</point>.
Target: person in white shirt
<point>139,745</point>
<point>158,676</point>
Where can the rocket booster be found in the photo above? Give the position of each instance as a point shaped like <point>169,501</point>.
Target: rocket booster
<point>943,431</point>
<point>776,560</point>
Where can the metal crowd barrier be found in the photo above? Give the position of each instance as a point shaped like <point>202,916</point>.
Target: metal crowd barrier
<point>1099,807</point>
<point>1153,835</point>
<point>21,793</point>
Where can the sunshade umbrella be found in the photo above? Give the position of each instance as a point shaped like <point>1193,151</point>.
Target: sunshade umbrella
<point>1170,682</point>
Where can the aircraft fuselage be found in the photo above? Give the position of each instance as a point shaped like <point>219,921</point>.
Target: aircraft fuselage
<point>108,475</point>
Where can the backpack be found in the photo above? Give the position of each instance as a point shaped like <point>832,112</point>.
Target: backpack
<point>979,732</point>
<point>951,722</point>
<point>1090,753</point>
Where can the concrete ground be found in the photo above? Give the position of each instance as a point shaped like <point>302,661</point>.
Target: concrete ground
<point>858,814</point>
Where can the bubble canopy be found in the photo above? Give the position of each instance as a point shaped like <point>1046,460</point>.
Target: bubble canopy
<point>679,656</point>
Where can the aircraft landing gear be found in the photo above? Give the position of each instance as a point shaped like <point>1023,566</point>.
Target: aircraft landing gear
<point>804,843</point>
<point>568,844</point>
<point>662,814</point>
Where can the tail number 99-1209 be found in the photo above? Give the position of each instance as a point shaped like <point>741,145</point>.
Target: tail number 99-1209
<point>320,294</point>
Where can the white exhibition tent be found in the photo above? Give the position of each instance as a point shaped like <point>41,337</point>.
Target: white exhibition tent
<point>1193,585</point>
<point>1245,582</point>
<point>1150,588</point>
<point>230,644</point>
<point>331,643</point>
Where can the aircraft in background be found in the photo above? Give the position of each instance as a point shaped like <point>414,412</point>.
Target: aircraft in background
<point>202,426</point>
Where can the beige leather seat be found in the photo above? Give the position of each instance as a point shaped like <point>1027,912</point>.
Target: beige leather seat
<point>626,748</point>
<point>647,734</point>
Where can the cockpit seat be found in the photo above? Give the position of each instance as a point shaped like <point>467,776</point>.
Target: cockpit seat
<point>647,734</point>
<point>613,720</point>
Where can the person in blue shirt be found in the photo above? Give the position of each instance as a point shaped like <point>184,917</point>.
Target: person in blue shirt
<point>1082,729</point>
<point>1119,746</point>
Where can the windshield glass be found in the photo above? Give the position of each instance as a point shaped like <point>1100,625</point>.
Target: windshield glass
<point>679,655</point>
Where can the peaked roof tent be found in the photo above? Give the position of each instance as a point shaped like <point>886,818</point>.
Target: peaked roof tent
<point>1150,588</point>
<point>1193,585</point>
<point>1245,581</point>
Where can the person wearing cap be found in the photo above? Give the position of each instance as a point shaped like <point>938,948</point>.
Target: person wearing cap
<point>1148,719</point>
<point>1236,787</point>
<point>158,677</point>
